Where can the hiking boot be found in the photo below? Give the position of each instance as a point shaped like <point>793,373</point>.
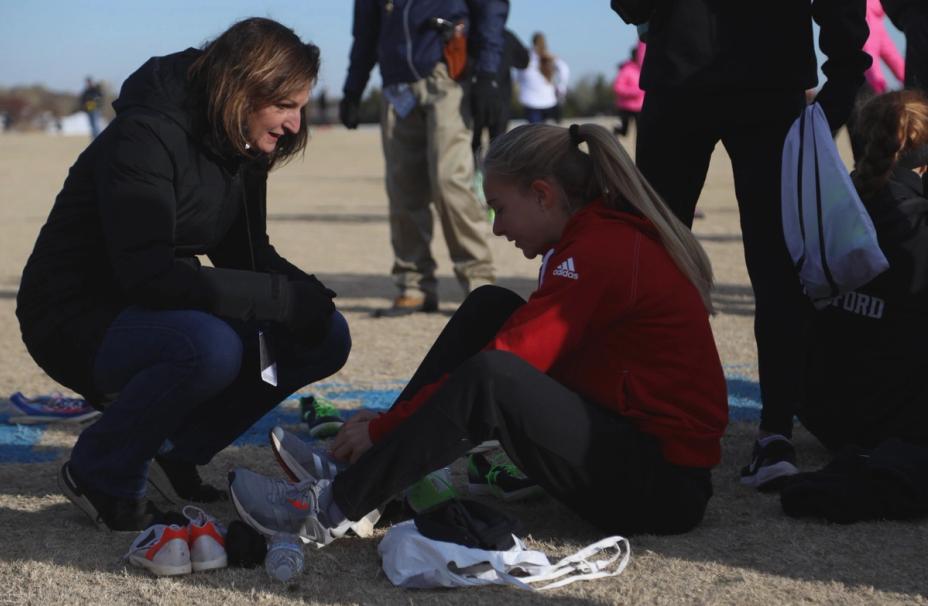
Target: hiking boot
<point>180,482</point>
<point>499,478</point>
<point>273,506</point>
<point>302,461</point>
<point>321,416</point>
<point>162,549</point>
<point>405,305</point>
<point>773,460</point>
<point>207,540</point>
<point>106,511</point>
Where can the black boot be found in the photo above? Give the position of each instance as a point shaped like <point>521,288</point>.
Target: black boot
<point>180,482</point>
<point>111,512</point>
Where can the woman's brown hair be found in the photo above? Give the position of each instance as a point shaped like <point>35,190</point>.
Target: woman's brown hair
<point>894,124</point>
<point>255,63</point>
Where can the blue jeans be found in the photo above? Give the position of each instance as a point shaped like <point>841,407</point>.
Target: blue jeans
<point>189,380</point>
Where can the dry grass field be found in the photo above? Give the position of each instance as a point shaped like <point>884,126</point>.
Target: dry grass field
<point>327,213</point>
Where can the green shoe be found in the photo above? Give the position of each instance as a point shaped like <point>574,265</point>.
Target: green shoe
<point>321,416</point>
<point>498,476</point>
<point>431,490</point>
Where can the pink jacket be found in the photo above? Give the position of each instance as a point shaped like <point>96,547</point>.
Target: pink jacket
<point>628,95</point>
<point>880,46</point>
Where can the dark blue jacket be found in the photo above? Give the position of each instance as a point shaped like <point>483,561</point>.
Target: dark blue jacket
<point>397,35</point>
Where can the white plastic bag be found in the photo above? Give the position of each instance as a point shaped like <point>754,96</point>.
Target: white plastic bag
<point>414,561</point>
<point>828,232</point>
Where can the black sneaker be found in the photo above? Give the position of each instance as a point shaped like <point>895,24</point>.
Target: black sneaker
<point>500,478</point>
<point>180,482</point>
<point>770,464</point>
<point>114,513</point>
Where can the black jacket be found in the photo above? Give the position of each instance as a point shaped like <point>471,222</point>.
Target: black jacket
<point>867,372</point>
<point>147,196</point>
<point>724,45</point>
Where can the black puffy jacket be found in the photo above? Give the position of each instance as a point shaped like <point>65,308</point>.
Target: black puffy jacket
<point>147,196</point>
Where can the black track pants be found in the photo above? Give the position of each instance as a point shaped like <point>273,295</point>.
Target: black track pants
<point>589,458</point>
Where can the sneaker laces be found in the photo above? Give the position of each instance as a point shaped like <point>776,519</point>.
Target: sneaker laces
<point>280,491</point>
<point>198,517</point>
<point>58,401</point>
<point>324,408</point>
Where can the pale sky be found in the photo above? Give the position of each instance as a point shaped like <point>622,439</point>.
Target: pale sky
<point>59,42</point>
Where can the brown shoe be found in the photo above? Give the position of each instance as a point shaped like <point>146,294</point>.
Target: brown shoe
<point>405,305</point>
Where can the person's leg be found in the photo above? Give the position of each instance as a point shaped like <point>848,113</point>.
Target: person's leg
<point>217,422</point>
<point>406,162</point>
<point>162,364</point>
<point>473,324</point>
<point>451,172</point>
<point>589,458</point>
<point>676,136</point>
<point>916,49</point>
<point>754,140</point>
<point>534,115</point>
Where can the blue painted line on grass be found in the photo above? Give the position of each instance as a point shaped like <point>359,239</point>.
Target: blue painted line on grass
<point>18,443</point>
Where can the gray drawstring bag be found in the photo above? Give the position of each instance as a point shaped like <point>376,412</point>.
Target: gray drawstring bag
<point>828,232</point>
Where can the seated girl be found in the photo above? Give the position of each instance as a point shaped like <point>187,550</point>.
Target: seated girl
<point>867,369</point>
<point>605,387</point>
<point>115,305</point>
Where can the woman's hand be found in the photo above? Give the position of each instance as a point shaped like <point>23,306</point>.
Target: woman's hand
<point>353,438</point>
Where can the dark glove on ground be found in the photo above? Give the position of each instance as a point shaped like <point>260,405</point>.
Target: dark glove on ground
<point>309,313</point>
<point>348,112</point>
<point>484,100</point>
<point>837,101</point>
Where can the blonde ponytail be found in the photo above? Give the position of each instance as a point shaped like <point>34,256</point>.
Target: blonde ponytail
<point>538,151</point>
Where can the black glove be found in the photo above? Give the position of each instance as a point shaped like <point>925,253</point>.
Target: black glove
<point>348,111</point>
<point>312,279</point>
<point>309,312</point>
<point>485,101</point>
<point>837,100</point>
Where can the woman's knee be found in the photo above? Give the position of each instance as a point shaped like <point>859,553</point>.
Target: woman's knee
<point>216,350</point>
<point>338,341</point>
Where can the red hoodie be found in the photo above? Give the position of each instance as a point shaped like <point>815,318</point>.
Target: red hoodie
<point>615,320</point>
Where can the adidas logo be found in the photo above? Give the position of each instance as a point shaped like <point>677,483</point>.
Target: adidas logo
<point>567,270</point>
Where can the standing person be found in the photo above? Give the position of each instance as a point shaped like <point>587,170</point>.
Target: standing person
<point>115,305</point>
<point>737,72</point>
<point>90,100</point>
<point>881,49</point>
<point>605,387</point>
<point>515,56</point>
<point>865,378</point>
<point>322,106</point>
<point>543,84</point>
<point>628,94</point>
<point>428,101</point>
<point>911,17</point>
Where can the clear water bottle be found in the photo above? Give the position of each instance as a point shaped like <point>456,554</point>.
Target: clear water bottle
<point>284,559</point>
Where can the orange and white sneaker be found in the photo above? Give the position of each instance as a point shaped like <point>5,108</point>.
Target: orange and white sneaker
<point>207,540</point>
<point>163,550</point>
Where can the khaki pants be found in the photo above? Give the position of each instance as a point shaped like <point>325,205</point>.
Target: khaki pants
<point>428,159</point>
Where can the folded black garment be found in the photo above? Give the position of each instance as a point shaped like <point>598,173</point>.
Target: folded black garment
<point>469,523</point>
<point>889,483</point>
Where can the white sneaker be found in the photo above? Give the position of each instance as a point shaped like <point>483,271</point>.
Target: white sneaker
<point>207,540</point>
<point>163,550</point>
